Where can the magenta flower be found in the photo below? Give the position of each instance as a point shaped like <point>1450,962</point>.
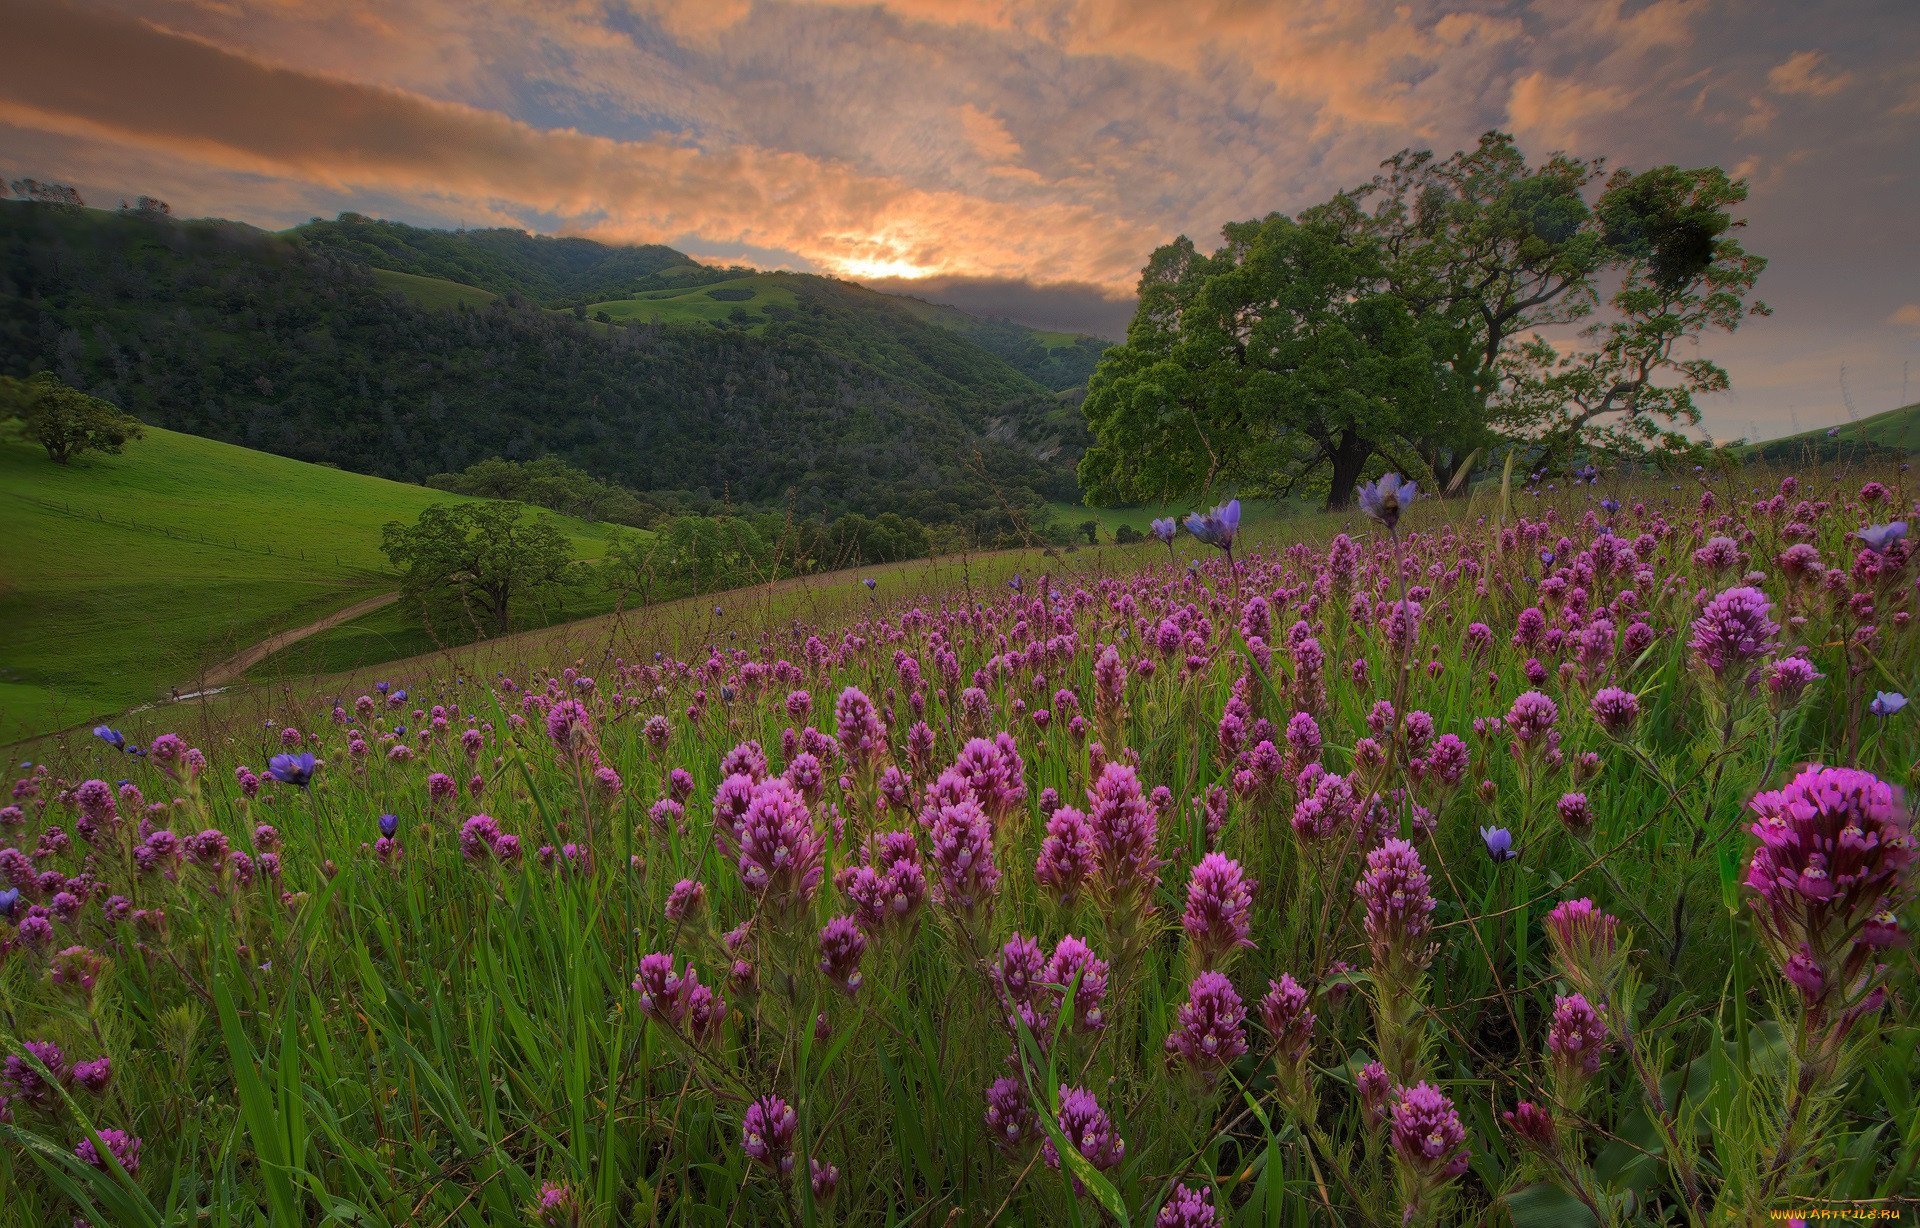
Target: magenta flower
<point>1075,968</point>
<point>1531,1124</point>
<point>1218,919</point>
<point>1835,855</point>
<point>779,848</point>
<point>1576,1038</point>
<point>1187,1209</point>
<point>1587,944</point>
<point>1011,1121</point>
<point>1289,1023</point>
<point>994,774</point>
<point>1067,855</point>
<point>1125,834</point>
<point>1427,1134</point>
<point>1209,1031</point>
<point>1733,631</point>
<point>841,946</point>
<point>124,1148</point>
<point>1615,710</point>
<point>961,836</point>
<point>1399,902</point>
<point>1531,718</point>
<point>862,738</point>
<point>570,727</point>
<point>1088,1130</point>
<point>766,1133</point>
<point>1375,1089</point>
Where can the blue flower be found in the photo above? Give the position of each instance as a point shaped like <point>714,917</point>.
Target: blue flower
<point>399,697</point>
<point>1164,528</point>
<point>389,823</point>
<point>1886,703</point>
<point>1546,558</point>
<point>1015,583</point>
<point>381,687</point>
<point>1499,842</point>
<point>9,898</point>
<point>1386,499</point>
<point>1217,527</point>
<point>869,582</point>
<point>1609,505</point>
<point>113,737</point>
<point>291,769</point>
<point>1876,536</point>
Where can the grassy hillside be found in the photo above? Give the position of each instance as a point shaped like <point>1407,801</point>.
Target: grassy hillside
<point>124,576</point>
<point>1893,433</point>
<point>742,301</point>
<point>433,291</point>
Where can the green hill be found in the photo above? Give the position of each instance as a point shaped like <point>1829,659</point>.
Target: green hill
<point>1895,433</point>
<point>124,576</point>
<point>660,285</point>
<point>835,401</point>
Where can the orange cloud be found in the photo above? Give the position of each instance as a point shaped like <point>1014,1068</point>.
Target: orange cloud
<point>1552,110</point>
<point>1801,73</point>
<point>85,73</point>
<point>1908,315</point>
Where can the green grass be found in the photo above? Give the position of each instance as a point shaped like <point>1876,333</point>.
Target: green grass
<point>124,576</point>
<point>433,291</point>
<point>1896,430</point>
<point>697,305</point>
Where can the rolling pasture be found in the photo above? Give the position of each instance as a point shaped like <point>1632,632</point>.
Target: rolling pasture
<point>1454,866</point>
<point>126,576</point>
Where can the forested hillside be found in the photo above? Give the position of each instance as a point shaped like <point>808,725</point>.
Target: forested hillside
<point>295,347</point>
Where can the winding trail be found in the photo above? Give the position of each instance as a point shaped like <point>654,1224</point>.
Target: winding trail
<point>233,667</point>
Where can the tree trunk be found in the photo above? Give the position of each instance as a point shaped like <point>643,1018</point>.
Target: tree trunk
<point>1349,458</point>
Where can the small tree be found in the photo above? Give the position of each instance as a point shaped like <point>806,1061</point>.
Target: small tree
<point>1092,530</point>
<point>66,421</point>
<point>481,558</point>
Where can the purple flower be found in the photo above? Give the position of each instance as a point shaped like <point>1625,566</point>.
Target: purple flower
<point>685,900</point>
<point>1067,854</point>
<point>1499,842</point>
<point>1218,527</point>
<point>1575,812</point>
<point>663,991</point>
<point>1385,499</point>
<point>1164,529</point>
<point>962,848</point>
<point>862,738</point>
<point>1878,537</point>
<point>1187,1209</point>
<point>1733,630</point>
<point>1125,834</point>
<point>124,1148</point>
<point>1088,1130</point>
<point>1531,718</point>
<point>779,848</point>
<point>1375,1089</point>
<point>993,772</point>
<point>94,1075</point>
<point>1075,969</point>
<point>1615,710</point>
<point>1586,941</point>
<point>1531,1124</point>
<point>556,1207</point>
<point>1011,1121</point>
<point>824,1177</point>
<point>841,946</point>
<point>1399,902</point>
<point>291,769</point>
<point>1218,919</point>
<point>112,737</point>
<point>1209,1029</point>
<point>1427,1134</point>
<point>1886,703</point>
<point>766,1133</point>
<point>1284,1014</point>
<point>1577,1037</point>
<point>1835,852</point>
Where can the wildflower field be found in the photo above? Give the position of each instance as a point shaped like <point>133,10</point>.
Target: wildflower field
<point>1544,864</point>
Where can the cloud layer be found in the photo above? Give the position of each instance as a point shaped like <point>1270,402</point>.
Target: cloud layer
<point>1017,157</point>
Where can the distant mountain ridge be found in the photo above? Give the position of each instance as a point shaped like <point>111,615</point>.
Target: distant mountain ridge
<point>831,398</point>
<point>566,272</point>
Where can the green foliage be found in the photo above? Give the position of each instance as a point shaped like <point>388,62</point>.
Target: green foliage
<point>65,421</point>
<point>478,560</point>
<point>1287,348</point>
<point>550,483</point>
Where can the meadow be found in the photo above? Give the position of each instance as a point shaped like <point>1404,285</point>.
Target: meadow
<point>127,576</point>
<point>1541,858</point>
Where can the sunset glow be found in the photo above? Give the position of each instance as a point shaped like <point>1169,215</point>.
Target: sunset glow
<point>1033,151</point>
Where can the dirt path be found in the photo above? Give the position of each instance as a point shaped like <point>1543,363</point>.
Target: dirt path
<point>234,666</point>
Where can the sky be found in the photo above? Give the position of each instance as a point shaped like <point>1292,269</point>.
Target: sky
<point>1019,158</point>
